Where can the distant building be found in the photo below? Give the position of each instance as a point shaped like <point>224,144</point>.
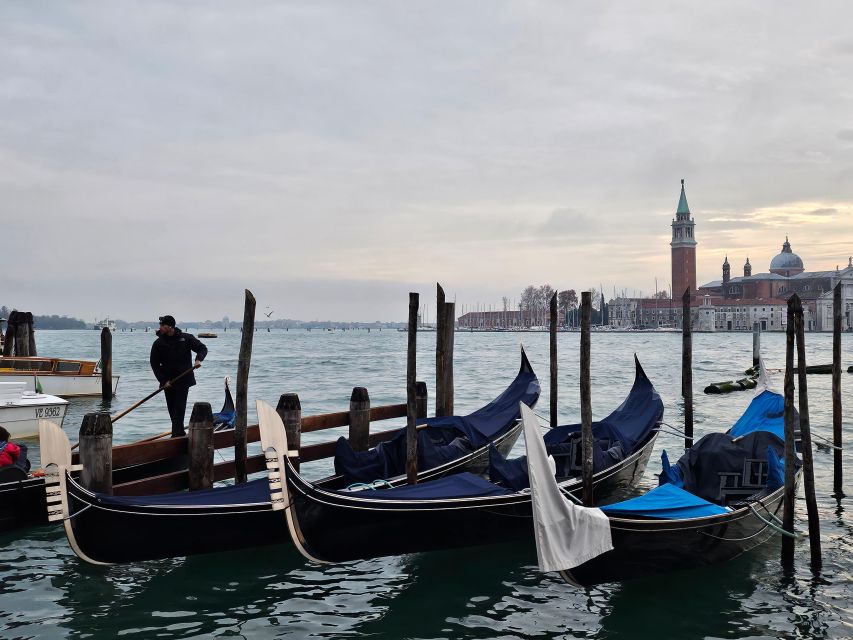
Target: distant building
<point>735,303</point>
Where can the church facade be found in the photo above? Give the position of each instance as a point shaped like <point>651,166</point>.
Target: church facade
<point>737,303</point>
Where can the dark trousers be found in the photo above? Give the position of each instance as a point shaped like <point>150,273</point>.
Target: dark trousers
<point>176,401</point>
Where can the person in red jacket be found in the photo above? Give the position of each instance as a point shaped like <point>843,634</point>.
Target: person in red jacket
<point>9,451</point>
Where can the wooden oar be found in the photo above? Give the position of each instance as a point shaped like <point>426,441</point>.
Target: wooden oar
<point>154,393</point>
<point>146,399</point>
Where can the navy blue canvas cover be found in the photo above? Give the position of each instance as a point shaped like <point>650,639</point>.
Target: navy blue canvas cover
<point>629,424</point>
<point>444,439</point>
<point>458,485</point>
<point>252,492</point>
<point>717,453</point>
<point>508,473</point>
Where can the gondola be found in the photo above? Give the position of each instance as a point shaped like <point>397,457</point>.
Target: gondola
<point>22,494</point>
<point>114,529</point>
<point>722,498</point>
<point>455,511</point>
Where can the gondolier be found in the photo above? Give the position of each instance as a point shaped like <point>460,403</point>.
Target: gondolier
<point>171,355</point>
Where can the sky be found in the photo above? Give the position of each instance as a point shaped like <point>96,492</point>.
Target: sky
<point>161,157</point>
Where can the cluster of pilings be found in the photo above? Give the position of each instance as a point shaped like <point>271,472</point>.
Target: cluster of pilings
<point>20,339</point>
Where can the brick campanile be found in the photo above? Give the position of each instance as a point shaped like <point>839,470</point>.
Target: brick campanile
<point>683,250</point>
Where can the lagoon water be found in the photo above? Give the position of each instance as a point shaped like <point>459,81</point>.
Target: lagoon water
<point>488,592</point>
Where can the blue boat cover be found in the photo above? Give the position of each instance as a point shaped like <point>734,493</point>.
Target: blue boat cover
<point>616,437</point>
<point>444,439</point>
<point>666,501</point>
<point>766,412</point>
<point>458,485</point>
<point>254,491</point>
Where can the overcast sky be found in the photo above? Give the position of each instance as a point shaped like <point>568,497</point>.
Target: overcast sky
<point>160,157</point>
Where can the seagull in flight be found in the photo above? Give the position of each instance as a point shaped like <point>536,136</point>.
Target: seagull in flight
<point>268,314</point>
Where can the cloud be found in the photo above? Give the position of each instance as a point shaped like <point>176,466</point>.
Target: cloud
<point>563,223</point>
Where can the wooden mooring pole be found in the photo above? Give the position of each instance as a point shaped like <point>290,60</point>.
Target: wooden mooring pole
<point>290,410</point>
<point>106,365</point>
<point>96,453</point>
<point>586,399</point>
<point>806,435</point>
<point>836,390</point>
<point>756,343</point>
<point>359,419</point>
<point>790,426</point>
<point>421,397</point>
<point>440,347</point>
<point>411,393</point>
<point>242,399</point>
<point>553,341</point>
<point>200,447</point>
<point>687,368</point>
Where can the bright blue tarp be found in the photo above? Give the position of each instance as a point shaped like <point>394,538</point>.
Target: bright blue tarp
<point>766,412</point>
<point>667,502</point>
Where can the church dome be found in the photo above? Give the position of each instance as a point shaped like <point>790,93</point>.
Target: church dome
<point>786,263</point>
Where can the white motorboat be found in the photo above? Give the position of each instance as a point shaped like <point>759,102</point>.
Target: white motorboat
<point>55,376</point>
<point>20,410</point>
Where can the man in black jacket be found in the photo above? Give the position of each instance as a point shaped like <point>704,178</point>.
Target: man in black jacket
<point>171,355</point>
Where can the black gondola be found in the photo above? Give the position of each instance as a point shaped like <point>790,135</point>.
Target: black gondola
<point>455,511</point>
<point>113,529</point>
<point>722,498</point>
<point>22,494</point>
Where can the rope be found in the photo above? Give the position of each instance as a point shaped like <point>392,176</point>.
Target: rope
<point>774,526</point>
<point>828,443</point>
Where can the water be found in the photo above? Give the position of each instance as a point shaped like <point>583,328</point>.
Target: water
<point>491,592</point>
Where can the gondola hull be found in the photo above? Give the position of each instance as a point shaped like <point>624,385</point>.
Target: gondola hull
<point>651,547</point>
<point>333,527</point>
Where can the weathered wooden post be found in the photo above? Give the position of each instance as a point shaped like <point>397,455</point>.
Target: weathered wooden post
<point>586,399</point>
<point>421,397</point>
<point>806,435</point>
<point>790,427</point>
<point>31,334</point>
<point>96,453</point>
<point>411,399</point>
<point>756,343</point>
<point>9,337</point>
<point>440,347</point>
<point>290,410</point>
<point>106,365</point>
<point>242,400</point>
<point>687,368</point>
<point>200,447</point>
<point>836,389</point>
<point>449,336</point>
<point>553,341</point>
<point>21,322</point>
<point>359,419</point>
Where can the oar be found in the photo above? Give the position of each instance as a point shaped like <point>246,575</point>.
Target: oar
<point>153,393</point>
<point>146,399</point>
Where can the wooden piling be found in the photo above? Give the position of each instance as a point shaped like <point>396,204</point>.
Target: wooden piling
<point>440,347</point>
<point>805,435</point>
<point>586,398</point>
<point>422,399</point>
<point>106,365</point>
<point>790,427</point>
<point>359,419</point>
<point>836,390</point>
<point>553,344</point>
<point>411,399</point>
<point>687,368</point>
<point>756,343</point>
<point>9,336</point>
<point>96,453</point>
<point>200,447</point>
<point>242,404</point>
<point>290,410</point>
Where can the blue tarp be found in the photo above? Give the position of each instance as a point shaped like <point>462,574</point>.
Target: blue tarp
<point>615,437</point>
<point>459,485</point>
<point>254,491</point>
<point>667,502</point>
<point>766,412</point>
<point>444,439</point>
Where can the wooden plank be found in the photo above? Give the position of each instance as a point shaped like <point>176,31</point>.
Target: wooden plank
<point>179,480</point>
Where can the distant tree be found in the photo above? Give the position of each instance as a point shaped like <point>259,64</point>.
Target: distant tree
<point>505,301</point>
<point>594,298</point>
<point>529,298</point>
<point>662,295</point>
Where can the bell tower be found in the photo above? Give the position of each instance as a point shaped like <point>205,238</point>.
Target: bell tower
<point>683,250</point>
